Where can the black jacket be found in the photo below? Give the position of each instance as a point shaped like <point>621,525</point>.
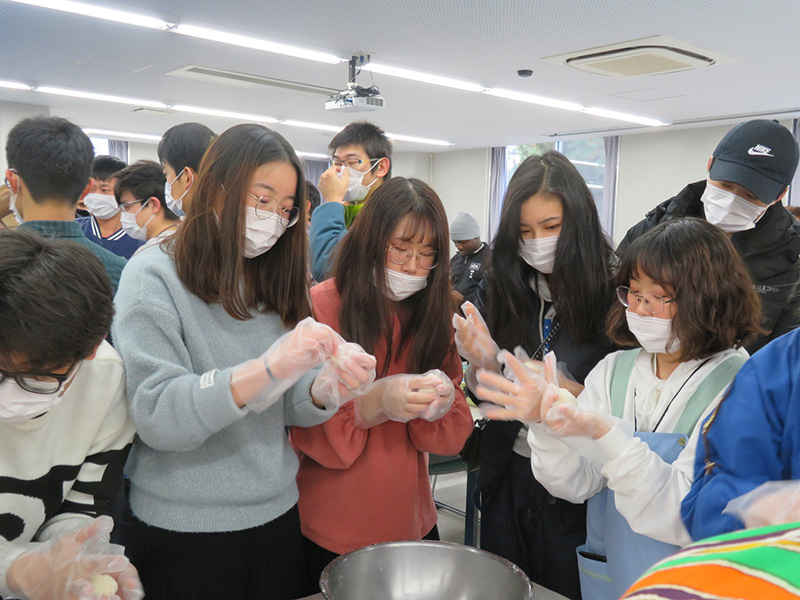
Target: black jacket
<point>466,272</point>
<point>771,251</point>
<point>498,437</point>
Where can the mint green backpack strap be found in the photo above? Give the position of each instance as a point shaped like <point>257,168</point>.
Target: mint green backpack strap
<point>620,377</point>
<point>705,393</point>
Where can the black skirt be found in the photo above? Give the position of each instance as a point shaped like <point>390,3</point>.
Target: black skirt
<point>264,562</point>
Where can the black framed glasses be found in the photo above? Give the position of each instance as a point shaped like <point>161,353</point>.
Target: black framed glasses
<point>268,207</point>
<point>7,182</point>
<point>653,303</point>
<point>353,163</point>
<point>39,383</point>
<point>400,256</point>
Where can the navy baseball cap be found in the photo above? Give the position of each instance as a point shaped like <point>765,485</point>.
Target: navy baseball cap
<point>759,155</point>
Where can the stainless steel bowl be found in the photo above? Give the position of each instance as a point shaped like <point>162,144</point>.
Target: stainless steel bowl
<point>423,571</point>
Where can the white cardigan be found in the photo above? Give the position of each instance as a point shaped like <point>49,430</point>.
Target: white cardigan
<point>648,491</point>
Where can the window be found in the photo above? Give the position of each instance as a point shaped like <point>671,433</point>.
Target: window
<point>100,146</point>
<point>589,157</point>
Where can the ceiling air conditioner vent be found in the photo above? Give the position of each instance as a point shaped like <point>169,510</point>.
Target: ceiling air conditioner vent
<point>247,80</point>
<point>650,56</point>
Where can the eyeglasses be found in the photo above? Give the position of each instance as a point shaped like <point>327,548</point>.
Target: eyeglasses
<point>400,256</point>
<point>268,207</point>
<point>352,162</point>
<point>8,183</point>
<point>653,303</point>
<point>125,205</point>
<point>39,383</point>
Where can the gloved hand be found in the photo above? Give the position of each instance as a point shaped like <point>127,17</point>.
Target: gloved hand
<point>473,340</point>
<point>261,382</point>
<point>63,568</point>
<point>771,503</point>
<point>405,397</point>
<point>345,375</point>
<point>518,396</point>
<point>563,416</point>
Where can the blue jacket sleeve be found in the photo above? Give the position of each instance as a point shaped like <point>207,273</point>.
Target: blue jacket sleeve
<point>327,229</point>
<point>753,439</point>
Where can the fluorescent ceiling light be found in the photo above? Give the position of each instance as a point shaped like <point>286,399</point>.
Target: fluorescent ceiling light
<point>121,135</point>
<point>532,99</point>
<point>423,77</point>
<point>584,162</point>
<point>212,112</point>
<point>102,97</point>
<point>307,125</point>
<point>99,12</point>
<point>255,43</point>
<point>594,186</point>
<point>610,114</point>
<point>417,140</point>
<point>229,114</point>
<point>14,85</point>
<point>313,155</point>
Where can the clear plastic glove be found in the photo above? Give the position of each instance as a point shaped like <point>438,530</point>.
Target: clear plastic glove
<point>261,382</point>
<point>517,396</point>
<point>771,503</point>
<point>405,397</point>
<point>563,416</point>
<point>473,340</point>
<point>345,375</point>
<point>70,566</point>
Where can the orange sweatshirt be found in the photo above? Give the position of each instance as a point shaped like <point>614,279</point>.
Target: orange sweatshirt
<point>364,486</point>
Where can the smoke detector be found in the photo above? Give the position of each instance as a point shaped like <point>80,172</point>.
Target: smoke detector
<point>648,56</point>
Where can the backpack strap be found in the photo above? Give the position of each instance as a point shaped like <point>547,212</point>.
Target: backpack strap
<point>620,377</point>
<point>704,395</point>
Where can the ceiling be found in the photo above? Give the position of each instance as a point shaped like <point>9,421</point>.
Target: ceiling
<point>481,41</point>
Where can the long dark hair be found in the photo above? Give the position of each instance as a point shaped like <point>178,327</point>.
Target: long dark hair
<point>365,315</point>
<point>581,281</point>
<point>209,246</point>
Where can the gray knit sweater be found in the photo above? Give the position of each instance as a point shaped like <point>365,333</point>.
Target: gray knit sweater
<point>199,463</point>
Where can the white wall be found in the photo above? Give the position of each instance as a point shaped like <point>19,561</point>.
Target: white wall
<point>140,151</point>
<point>655,166</point>
<point>462,181</point>
<point>412,164</point>
<point>10,114</point>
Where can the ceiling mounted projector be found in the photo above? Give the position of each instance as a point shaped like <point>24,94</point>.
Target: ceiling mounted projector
<point>355,98</point>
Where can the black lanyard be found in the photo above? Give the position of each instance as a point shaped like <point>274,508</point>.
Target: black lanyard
<point>669,404</point>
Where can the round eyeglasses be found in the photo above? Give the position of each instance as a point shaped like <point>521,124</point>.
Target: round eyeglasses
<point>39,383</point>
<point>268,207</point>
<point>400,256</point>
<point>653,303</point>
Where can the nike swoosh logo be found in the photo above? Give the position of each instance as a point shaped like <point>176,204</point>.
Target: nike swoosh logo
<point>755,152</point>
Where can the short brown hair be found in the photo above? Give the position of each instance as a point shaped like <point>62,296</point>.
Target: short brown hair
<point>700,269</point>
<point>209,247</point>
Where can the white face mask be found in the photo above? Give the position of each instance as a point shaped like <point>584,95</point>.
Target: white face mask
<point>729,212</point>
<point>175,205</point>
<point>355,191</point>
<point>102,206</point>
<point>131,226</point>
<point>401,286</point>
<point>18,405</point>
<point>653,333</point>
<point>12,206</point>
<point>539,253</point>
<point>260,234</point>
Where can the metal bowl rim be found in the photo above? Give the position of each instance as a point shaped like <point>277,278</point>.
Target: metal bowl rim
<point>325,576</point>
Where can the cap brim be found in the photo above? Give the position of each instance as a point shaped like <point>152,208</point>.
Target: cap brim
<point>764,188</point>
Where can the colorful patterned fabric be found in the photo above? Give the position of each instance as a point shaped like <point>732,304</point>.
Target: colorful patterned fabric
<point>762,564</point>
